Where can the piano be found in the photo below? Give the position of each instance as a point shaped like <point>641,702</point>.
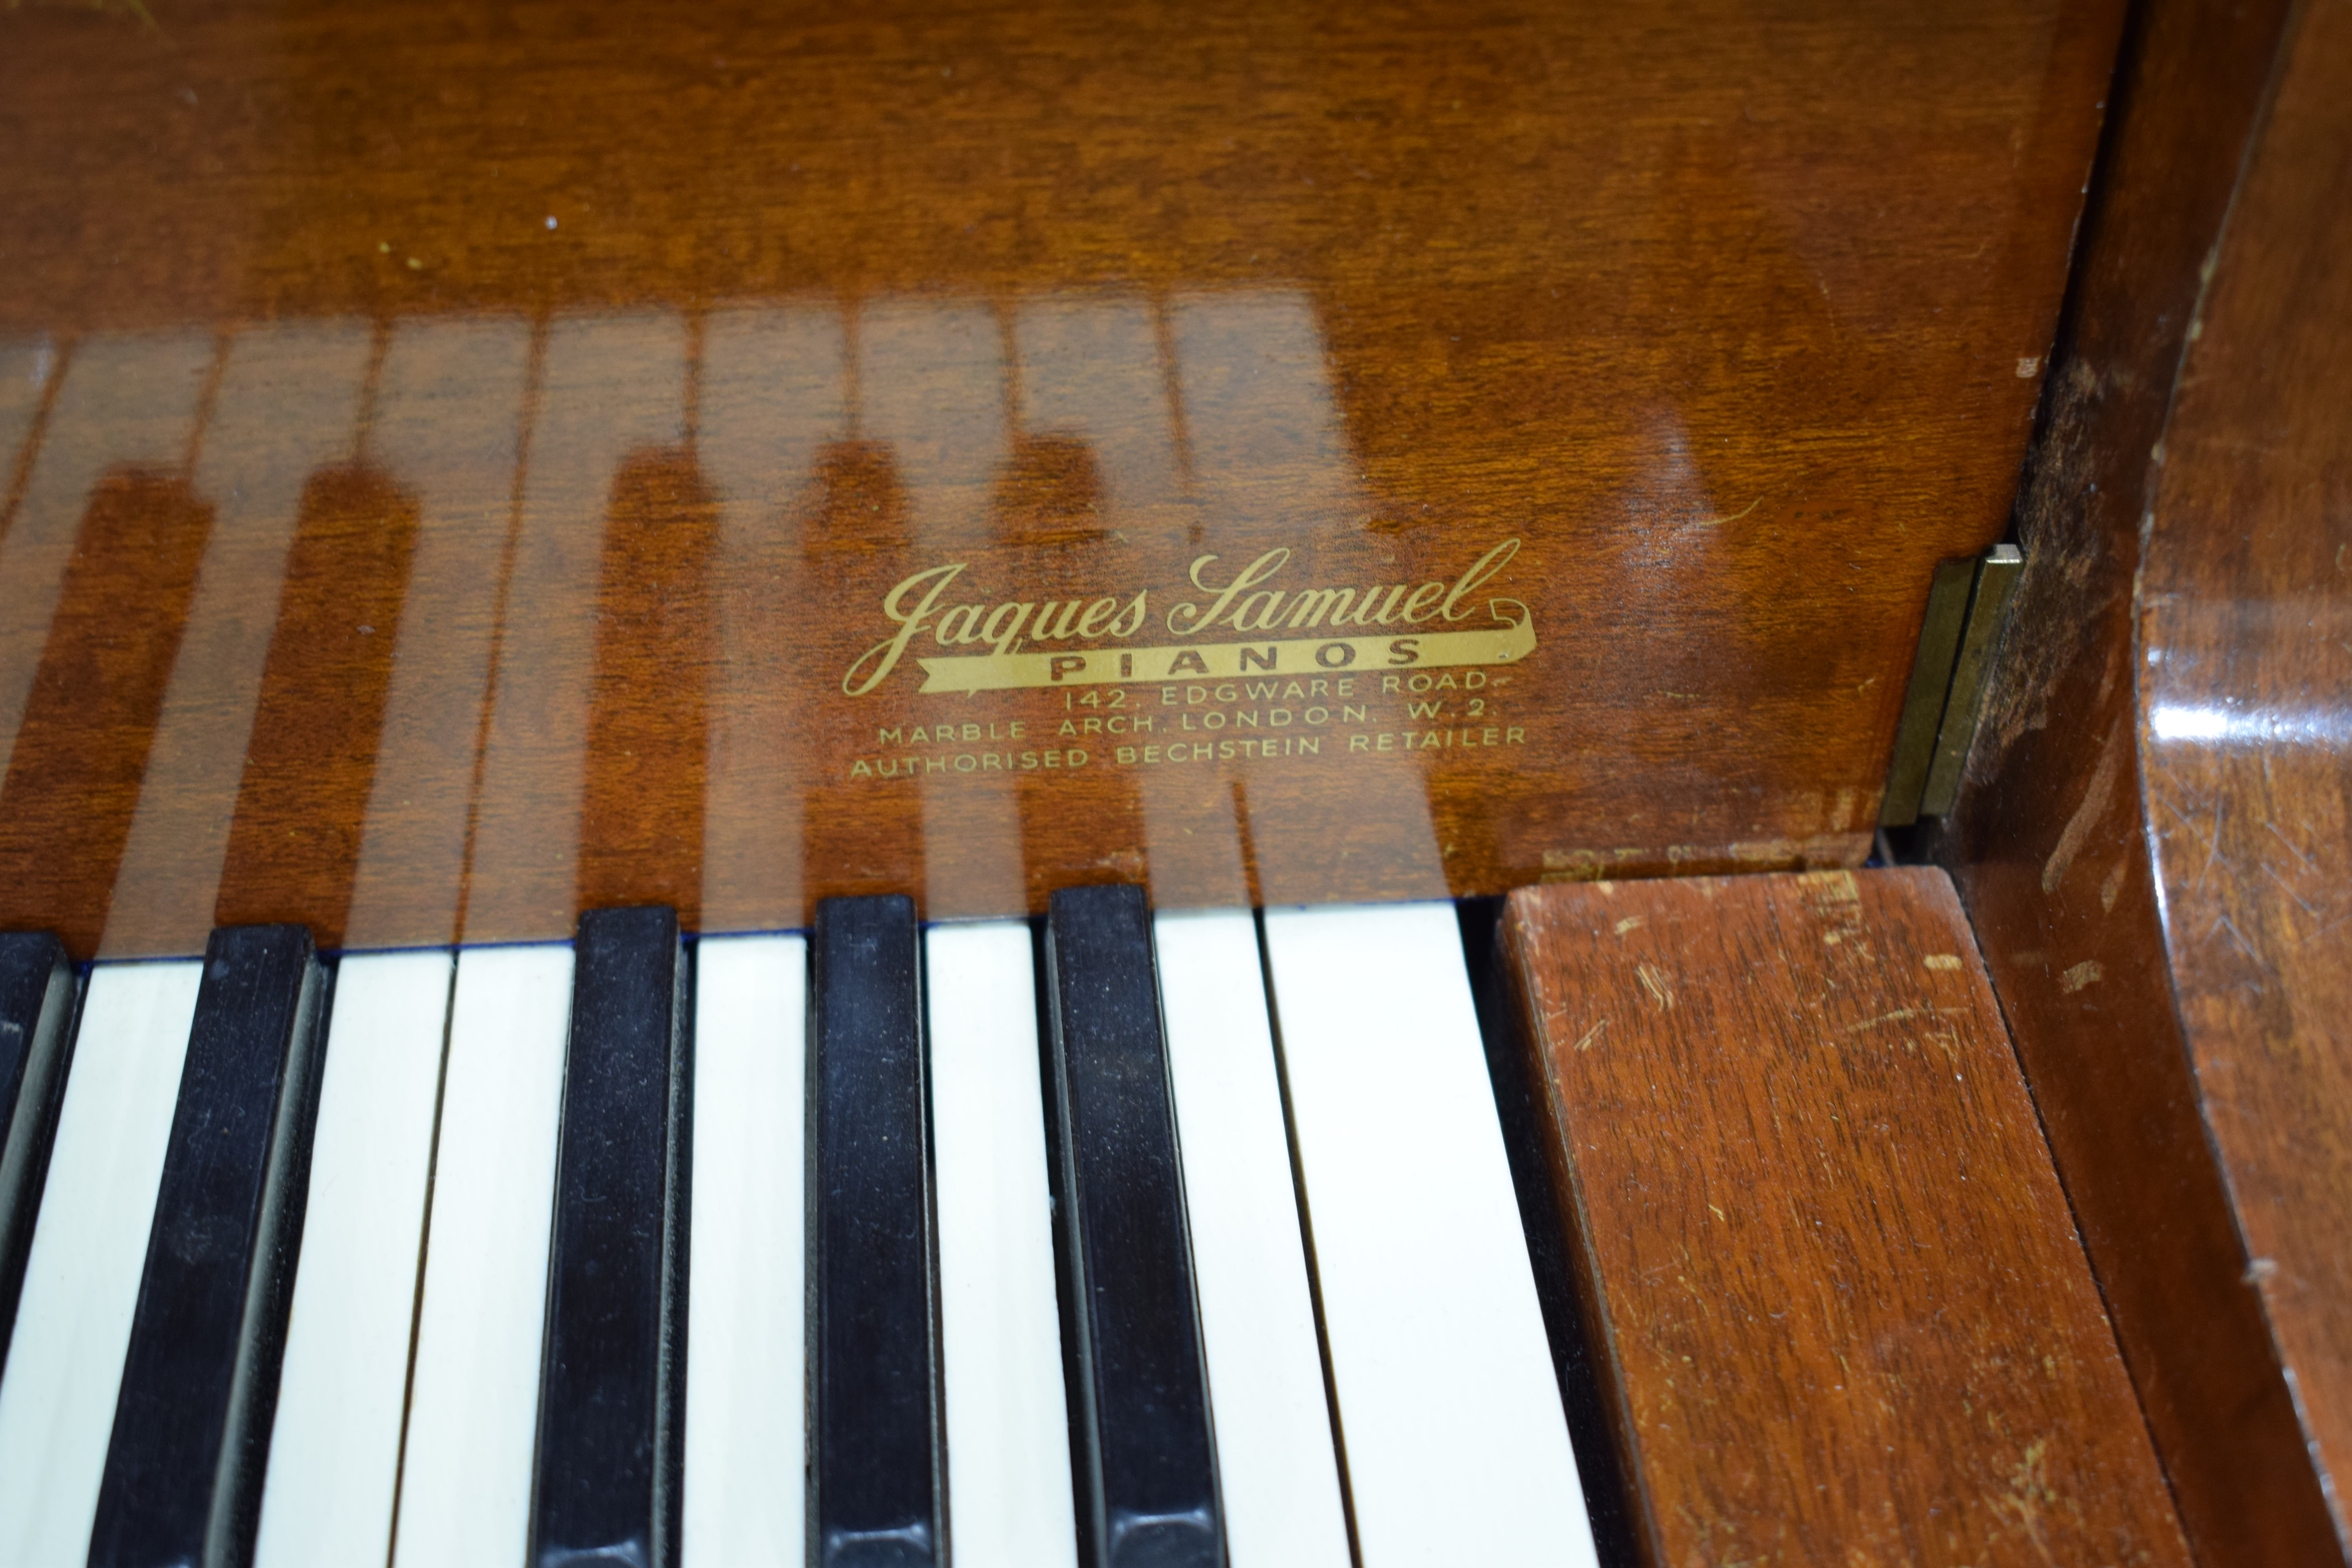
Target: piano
<point>1116,787</point>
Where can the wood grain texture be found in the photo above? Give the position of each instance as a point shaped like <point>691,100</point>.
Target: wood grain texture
<point>1826,1258</point>
<point>2052,844</point>
<point>1734,320</point>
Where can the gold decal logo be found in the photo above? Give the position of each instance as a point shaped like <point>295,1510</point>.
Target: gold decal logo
<point>998,672</point>
<point>1373,628</point>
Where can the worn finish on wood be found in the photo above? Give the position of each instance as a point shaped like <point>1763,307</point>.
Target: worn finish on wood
<point>2050,843</point>
<point>1733,322</point>
<point>1827,1259</point>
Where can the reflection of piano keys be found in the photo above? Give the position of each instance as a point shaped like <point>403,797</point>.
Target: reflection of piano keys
<point>773,392</point>
<point>931,393</point>
<point>447,430</point>
<point>471,764</point>
<point>610,393</point>
<point>97,571</point>
<point>130,406</point>
<point>1266,443</point>
<point>287,406</point>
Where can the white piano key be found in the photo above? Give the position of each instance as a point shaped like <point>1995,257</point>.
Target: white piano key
<point>1277,1470</point>
<point>287,406</point>
<point>1008,1422</point>
<point>89,1244</point>
<point>1457,1446</point>
<point>334,1451</point>
<point>465,1472</point>
<point>746,1415</point>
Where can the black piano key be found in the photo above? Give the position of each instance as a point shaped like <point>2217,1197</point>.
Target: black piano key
<point>1148,1457</point>
<point>37,1005</point>
<point>878,1488</point>
<point>612,1371</point>
<point>184,1467</point>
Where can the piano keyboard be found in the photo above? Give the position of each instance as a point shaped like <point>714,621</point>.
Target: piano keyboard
<point>1175,1239</point>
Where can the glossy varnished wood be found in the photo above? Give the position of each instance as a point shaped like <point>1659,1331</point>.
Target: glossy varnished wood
<point>301,804</point>
<point>1841,1306</point>
<point>2102,845</point>
<point>2246,715</point>
<point>80,756</point>
<point>1734,320</point>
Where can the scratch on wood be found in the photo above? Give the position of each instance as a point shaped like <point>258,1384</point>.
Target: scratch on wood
<point>2268,870</point>
<point>1716,521</point>
<point>2189,825</point>
<point>1895,1017</point>
<point>2213,844</point>
<point>2272,829</point>
<point>1592,1035</point>
<point>1654,982</point>
<point>2089,971</point>
<point>2077,831</point>
<point>2223,922</point>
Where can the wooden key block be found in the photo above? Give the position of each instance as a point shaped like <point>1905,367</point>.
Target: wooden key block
<point>1822,1249</point>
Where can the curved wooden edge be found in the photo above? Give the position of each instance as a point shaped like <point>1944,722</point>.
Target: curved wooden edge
<point>2245,708</point>
<point>2071,845</point>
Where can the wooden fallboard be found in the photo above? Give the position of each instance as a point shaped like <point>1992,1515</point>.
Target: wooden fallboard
<point>470,467</point>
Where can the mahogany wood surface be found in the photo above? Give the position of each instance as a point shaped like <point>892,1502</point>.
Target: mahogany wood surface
<point>2153,840</point>
<point>1823,1253</point>
<point>615,362</point>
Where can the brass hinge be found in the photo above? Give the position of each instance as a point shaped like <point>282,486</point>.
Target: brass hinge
<point>1967,605</point>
